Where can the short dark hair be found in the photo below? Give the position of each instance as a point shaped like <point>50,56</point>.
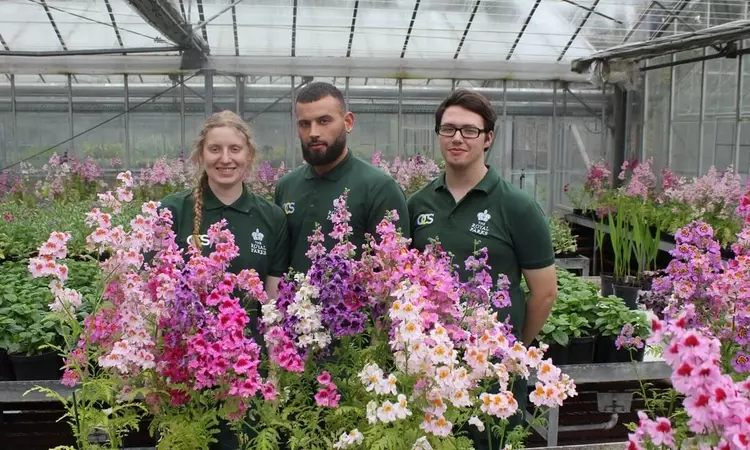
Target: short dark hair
<point>313,92</point>
<point>471,100</point>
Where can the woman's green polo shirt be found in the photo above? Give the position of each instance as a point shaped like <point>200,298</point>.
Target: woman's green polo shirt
<point>259,228</point>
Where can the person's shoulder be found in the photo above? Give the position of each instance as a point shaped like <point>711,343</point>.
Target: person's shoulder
<point>369,172</point>
<point>294,174</point>
<point>269,209</point>
<point>423,194</point>
<point>177,200</point>
<point>515,201</point>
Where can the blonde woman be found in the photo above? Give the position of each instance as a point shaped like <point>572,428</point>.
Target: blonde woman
<point>224,154</point>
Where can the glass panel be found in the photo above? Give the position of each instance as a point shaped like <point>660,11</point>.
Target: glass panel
<point>323,27</point>
<point>25,26</point>
<point>549,30</point>
<point>264,27</point>
<point>77,32</point>
<point>220,31</point>
<point>438,28</point>
<point>657,120</point>
<point>494,29</point>
<point>381,28</point>
<point>686,115</point>
<point>604,32</point>
<point>134,31</point>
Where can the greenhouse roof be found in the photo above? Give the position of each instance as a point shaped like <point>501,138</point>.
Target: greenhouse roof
<point>479,39</point>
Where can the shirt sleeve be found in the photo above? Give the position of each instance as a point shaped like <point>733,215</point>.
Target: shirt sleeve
<point>531,237</point>
<point>281,255</point>
<point>387,197</point>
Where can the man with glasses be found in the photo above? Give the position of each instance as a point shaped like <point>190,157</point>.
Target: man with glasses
<point>469,206</point>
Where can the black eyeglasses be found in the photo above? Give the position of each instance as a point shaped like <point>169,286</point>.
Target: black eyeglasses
<point>468,132</point>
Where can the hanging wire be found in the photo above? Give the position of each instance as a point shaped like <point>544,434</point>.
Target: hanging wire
<point>153,97</point>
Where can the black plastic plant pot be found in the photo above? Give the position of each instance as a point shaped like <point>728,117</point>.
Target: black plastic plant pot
<point>581,350</point>
<point>557,353</point>
<point>578,211</point>
<point>6,368</point>
<point>607,284</point>
<point>607,352</point>
<point>46,366</point>
<point>628,293</point>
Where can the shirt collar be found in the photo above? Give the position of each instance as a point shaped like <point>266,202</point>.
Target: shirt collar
<point>242,204</point>
<point>334,174</point>
<point>486,184</point>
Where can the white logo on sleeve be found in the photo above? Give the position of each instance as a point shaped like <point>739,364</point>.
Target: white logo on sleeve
<point>481,227</point>
<point>425,219</point>
<point>289,207</point>
<point>257,245</point>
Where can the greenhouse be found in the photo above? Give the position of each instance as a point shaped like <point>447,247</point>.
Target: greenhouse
<point>625,126</point>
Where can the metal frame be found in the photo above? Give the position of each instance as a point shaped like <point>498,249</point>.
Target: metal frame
<point>523,29</point>
<point>718,35</point>
<point>355,67</point>
<point>579,28</point>
<point>351,29</point>
<point>411,26</point>
<point>467,28</point>
<point>294,31</point>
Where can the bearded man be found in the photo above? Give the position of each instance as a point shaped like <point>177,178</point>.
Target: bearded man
<point>307,193</point>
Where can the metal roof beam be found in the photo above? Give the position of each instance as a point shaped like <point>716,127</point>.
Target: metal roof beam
<point>523,29</point>
<point>466,30</point>
<point>673,14</point>
<point>411,26</point>
<point>354,67</point>
<point>638,23</point>
<point>114,23</point>
<point>591,10</point>
<point>294,29</point>
<point>722,35</point>
<point>235,32</point>
<point>578,30</point>
<point>164,16</point>
<point>351,30</point>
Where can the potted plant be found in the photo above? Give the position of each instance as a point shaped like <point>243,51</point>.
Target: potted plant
<point>622,332</point>
<point>563,240</point>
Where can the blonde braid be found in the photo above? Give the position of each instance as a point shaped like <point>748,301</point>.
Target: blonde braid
<point>198,208</point>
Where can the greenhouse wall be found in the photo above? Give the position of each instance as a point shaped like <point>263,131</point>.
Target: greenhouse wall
<point>543,131</point>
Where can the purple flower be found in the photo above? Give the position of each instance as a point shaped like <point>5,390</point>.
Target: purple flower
<point>741,362</point>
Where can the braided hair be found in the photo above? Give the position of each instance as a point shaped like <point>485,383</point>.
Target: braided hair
<point>218,120</point>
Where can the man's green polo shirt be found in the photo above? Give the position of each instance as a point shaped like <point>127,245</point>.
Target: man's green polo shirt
<point>498,216</point>
<point>259,228</point>
<point>307,198</point>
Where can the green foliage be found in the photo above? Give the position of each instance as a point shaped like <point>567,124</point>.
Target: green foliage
<point>95,408</point>
<point>25,320</point>
<point>186,427</point>
<point>613,314</point>
<point>563,240</point>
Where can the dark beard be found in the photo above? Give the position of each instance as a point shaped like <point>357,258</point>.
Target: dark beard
<point>331,154</point>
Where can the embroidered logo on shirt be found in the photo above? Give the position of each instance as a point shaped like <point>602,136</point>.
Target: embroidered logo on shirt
<point>425,219</point>
<point>480,227</point>
<point>203,239</point>
<point>289,207</point>
<point>257,246</point>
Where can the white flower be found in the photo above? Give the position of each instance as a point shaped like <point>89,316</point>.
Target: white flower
<point>372,410</point>
<point>422,444</point>
<point>402,410</point>
<point>353,437</point>
<point>270,312</point>
<point>387,412</point>
<point>477,423</point>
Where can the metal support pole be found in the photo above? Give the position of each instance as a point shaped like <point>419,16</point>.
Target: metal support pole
<point>644,117</point>
<point>346,93</point>
<point>552,155</point>
<point>507,138</point>
<point>128,159</point>
<point>603,150</point>
<point>620,107</point>
<point>293,125</point>
<point>400,116</point>
<point>240,96</point>
<point>182,117</point>
<point>702,116</point>
<point>14,115</point>
<point>738,111</point>
<point>71,127</point>
<point>564,148</point>
<point>208,81</point>
<point>453,84</point>
<point>670,128</point>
